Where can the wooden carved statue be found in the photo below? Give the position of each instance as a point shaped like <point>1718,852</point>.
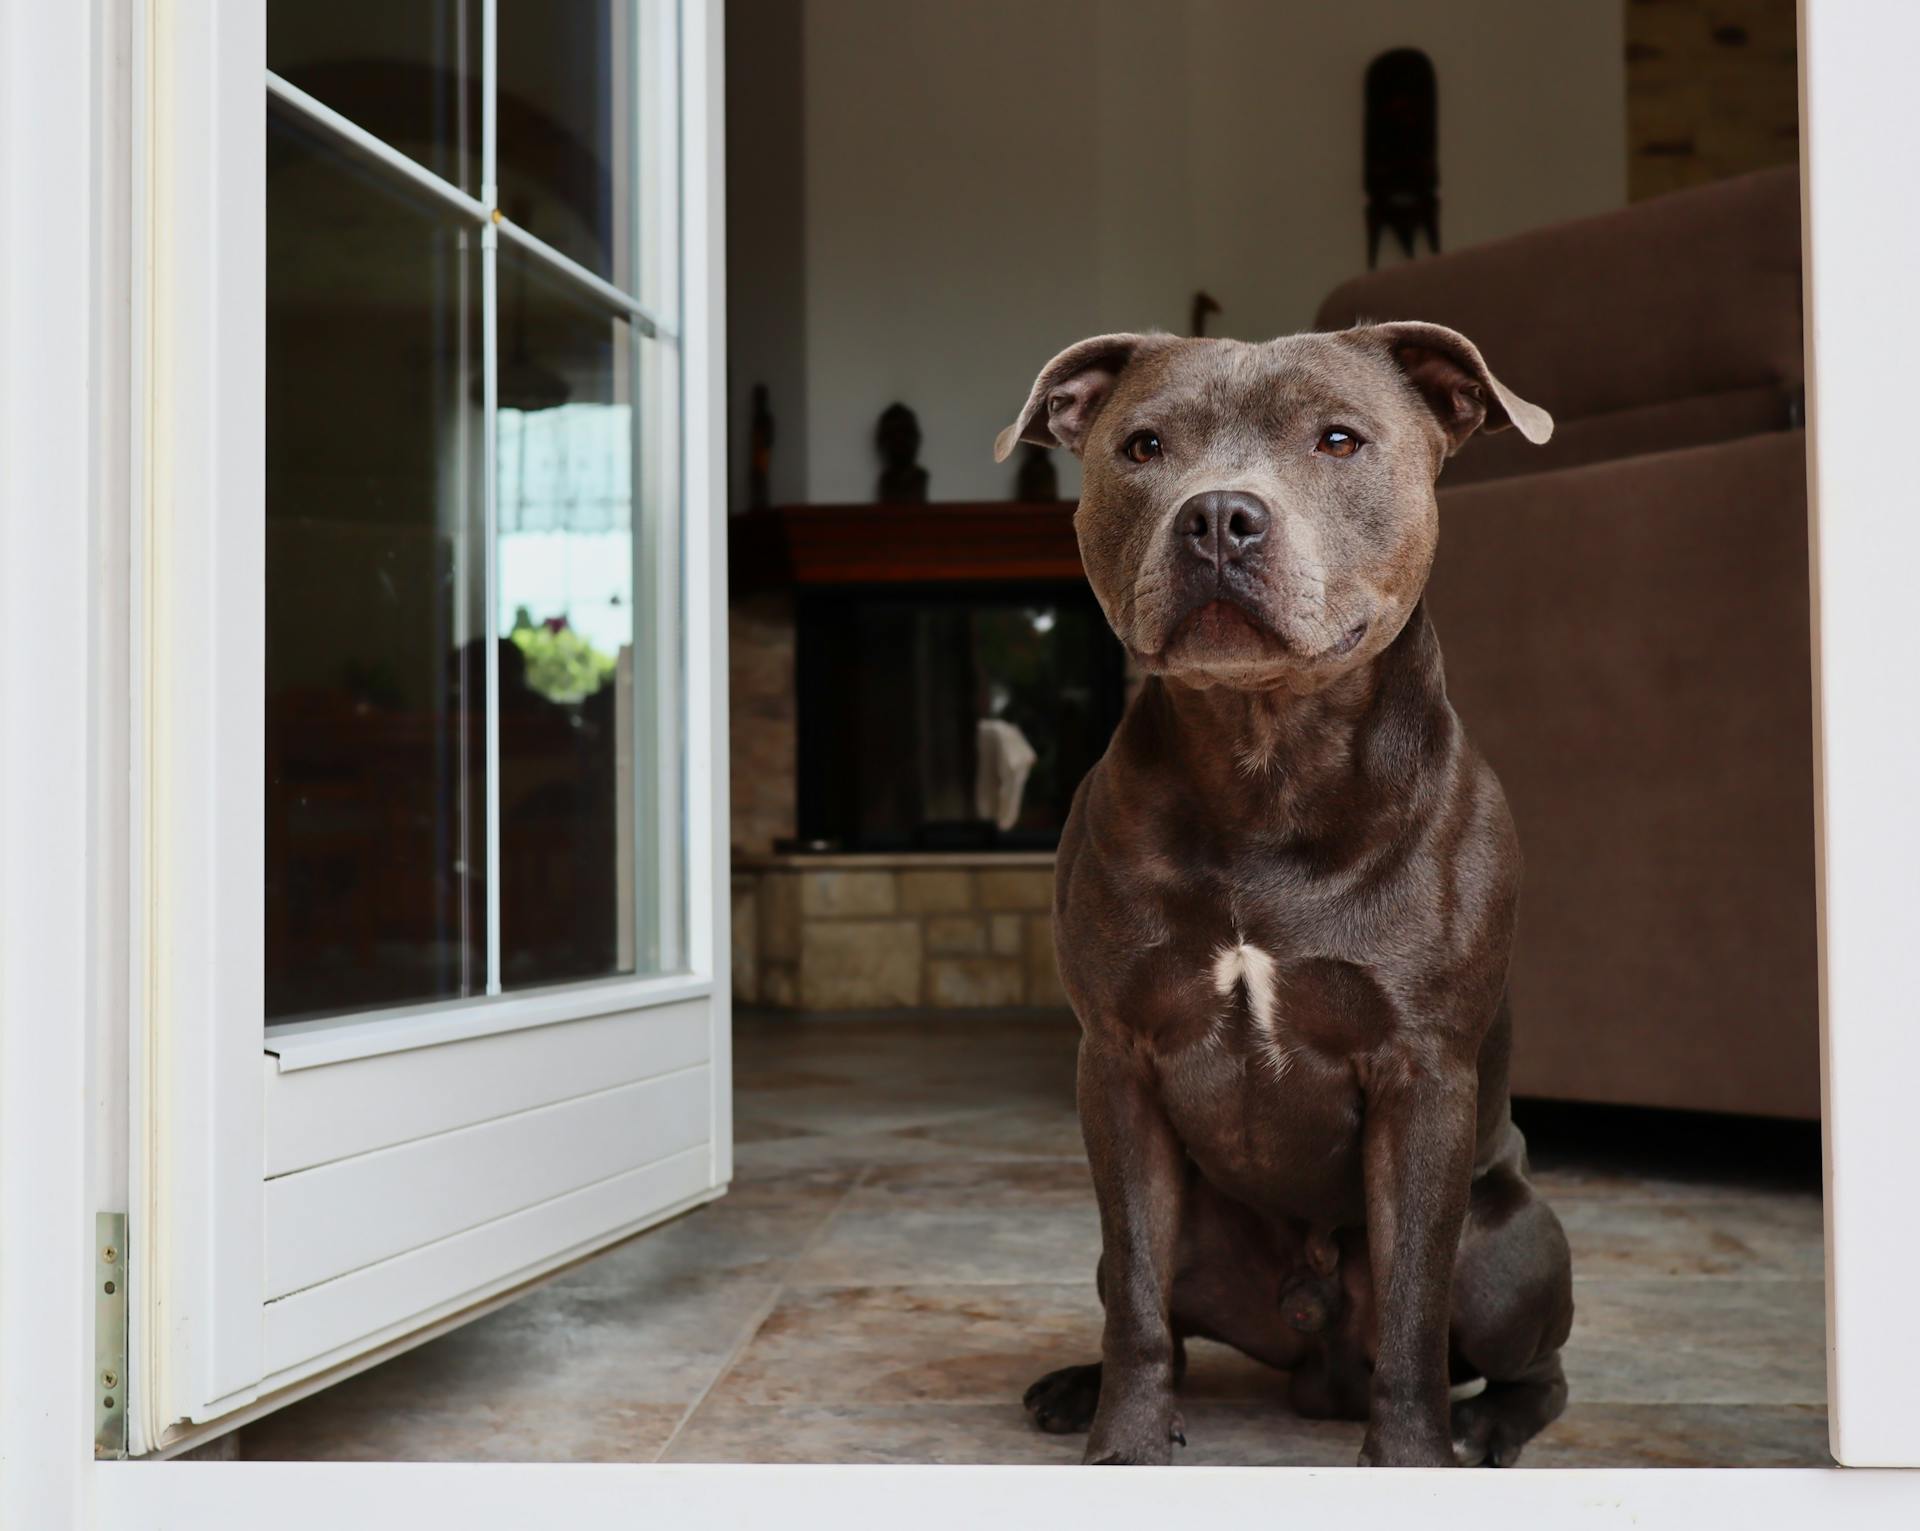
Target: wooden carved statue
<point>760,451</point>
<point>1402,151</point>
<point>902,480</point>
<point>1038,482</point>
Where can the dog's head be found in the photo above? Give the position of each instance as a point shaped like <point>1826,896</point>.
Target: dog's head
<point>1262,515</point>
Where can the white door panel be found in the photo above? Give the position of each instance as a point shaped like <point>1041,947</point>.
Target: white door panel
<point>325,1222</point>
<point>318,1115</point>
<point>332,1322</point>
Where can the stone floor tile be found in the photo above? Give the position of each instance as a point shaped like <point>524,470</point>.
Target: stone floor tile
<point>979,1185</point>
<point>1030,1132</point>
<point>1671,1237</point>
<point>765,1220</point>
<point>895,1434</point>
<point>1695,1341</point>
<point>1683,1435</point>
<point>900,1344</point>
<point>881,1245</point>
<point>363,1426</point>
<point>1218,1434</point>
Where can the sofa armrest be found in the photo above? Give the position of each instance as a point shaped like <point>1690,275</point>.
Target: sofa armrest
<point>1627,643</point>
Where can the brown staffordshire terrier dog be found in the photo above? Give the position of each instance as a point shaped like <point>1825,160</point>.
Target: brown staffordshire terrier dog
<point>1284,903</point>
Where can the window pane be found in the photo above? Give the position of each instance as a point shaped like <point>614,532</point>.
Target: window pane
<point>408,71</point>
<point>566,141</point>
<point>581,718</point>
<point>375,594</point>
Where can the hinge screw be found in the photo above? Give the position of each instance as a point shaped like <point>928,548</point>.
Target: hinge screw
<point>110,1255</point>
<point>109,1379</point>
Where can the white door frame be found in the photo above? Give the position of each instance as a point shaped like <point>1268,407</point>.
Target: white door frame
<point>1859,139</point>
<point>53,232</point>
<point>48,161</point>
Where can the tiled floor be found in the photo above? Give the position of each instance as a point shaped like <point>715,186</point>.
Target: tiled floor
<point>911,1239</point>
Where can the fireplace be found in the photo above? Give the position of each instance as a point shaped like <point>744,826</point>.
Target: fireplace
<point>949,717</point>
<point>916,692</point>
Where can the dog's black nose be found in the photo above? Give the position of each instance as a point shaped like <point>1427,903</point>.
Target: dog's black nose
<point>1221,524</point>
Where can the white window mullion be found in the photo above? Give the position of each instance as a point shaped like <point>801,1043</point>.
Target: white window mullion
<point>597,287</point>
<point>490,552</point>
<point>490,454</point>
<point>348,132</point>
<point>489,116</point>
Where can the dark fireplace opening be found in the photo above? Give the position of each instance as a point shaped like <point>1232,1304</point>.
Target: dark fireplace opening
<point>949,718</point>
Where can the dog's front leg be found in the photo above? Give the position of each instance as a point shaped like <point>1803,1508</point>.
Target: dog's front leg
<point>1138,1179</point>
<point>1418,1146</point>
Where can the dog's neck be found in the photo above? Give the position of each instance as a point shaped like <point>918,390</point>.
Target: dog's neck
<point>1279,762</point>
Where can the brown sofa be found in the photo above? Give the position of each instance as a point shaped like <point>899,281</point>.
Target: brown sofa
<point>1624,613</point>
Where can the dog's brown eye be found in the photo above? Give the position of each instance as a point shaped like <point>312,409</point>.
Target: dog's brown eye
<point>1338,443</point>
<point>1142,446</point>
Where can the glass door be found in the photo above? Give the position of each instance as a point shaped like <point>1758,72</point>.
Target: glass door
<point>431,640</point>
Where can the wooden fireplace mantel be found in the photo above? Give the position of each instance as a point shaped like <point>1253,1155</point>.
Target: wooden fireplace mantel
<point>902,544</point>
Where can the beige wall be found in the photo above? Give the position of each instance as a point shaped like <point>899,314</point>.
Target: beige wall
<point>984,182</point>
<point>766,238</point>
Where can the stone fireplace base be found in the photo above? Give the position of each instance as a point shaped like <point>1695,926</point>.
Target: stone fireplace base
<point>890,932</point>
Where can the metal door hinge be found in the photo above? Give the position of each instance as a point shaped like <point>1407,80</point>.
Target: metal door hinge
<point>110,1334</point>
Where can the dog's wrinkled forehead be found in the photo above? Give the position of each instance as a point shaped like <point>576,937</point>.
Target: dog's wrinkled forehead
<point>1227,391</point>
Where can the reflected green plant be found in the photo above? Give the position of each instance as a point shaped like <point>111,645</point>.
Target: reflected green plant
<point>562,666</point>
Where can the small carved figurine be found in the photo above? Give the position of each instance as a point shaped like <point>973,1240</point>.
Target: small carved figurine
<point>902,480</point>
<point>1402,157</point>
<point>1038,481</point>
<point>759,451</point>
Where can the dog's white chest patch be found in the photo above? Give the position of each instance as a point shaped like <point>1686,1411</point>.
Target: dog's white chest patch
<point>1244,966</point>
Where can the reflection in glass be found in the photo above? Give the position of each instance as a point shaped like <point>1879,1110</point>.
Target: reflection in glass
<point>375,848</point>
<point>566,140</point>
<point>567,601</point>
<point>408,71</point>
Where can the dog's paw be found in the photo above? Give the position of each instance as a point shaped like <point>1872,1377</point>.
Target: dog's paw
<point>1149,1447</point>
<point>1063,1402</point>
<point>1484,1436</point>
<point>1120,1458</point>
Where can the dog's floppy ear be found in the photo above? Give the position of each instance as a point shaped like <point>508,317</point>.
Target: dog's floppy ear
<point>1068,393</point>
<point>1457,384</point>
